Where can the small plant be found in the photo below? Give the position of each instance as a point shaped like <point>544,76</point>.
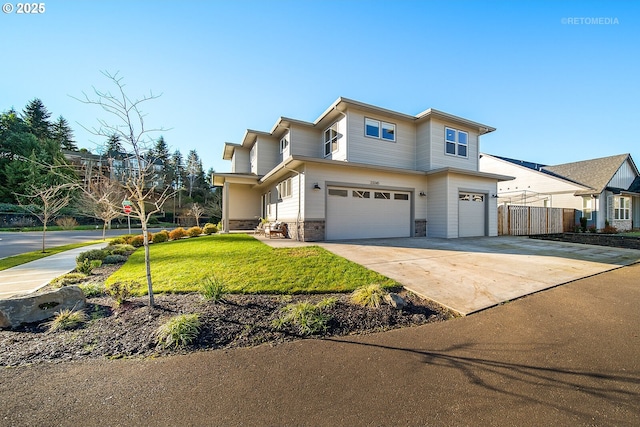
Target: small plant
<point>161,236</point>
<point>114,259</point>
<point>305,317</point>
<point>94,254</point>
<point>209,229</point>
<point>121,249</point>
<point>583,224</point>
<point>67,223</point>
<point>368,296</point>
<point>177,233</point>
<point>121,291</point>
<point>92,290</point>
<point>610,229</point>
<point>194,231</point>
<point>179,330</point>
<point>592,229</point>
<point>66,319</point>
<point>68,279</point>
<point>122,240</point>
<point>87,266</point>
<point>213,289</point>
<point>137,241</point>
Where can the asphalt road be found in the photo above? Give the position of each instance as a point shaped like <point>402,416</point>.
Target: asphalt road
<point>14,243</point>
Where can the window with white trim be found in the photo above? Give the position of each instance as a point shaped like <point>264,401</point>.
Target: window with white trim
<point>587,209</point>
<point>331,139</point>
<point>284,188</point>
<point>456,142</point>
<point>622,208</point>
<point>284,143</point>
<point>381,130</point>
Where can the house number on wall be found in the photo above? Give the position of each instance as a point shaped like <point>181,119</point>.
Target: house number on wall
<point>375,182</point>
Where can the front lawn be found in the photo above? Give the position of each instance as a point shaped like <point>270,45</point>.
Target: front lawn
<point>245,265</point>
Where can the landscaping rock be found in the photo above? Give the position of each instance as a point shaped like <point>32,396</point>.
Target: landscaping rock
<point>34,308</point>
<point>395,301</point>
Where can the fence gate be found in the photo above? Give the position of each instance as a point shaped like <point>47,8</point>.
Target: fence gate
<point>517,220</point>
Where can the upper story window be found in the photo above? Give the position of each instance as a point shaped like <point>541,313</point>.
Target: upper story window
<point>378,129</point>
<point>456,142</point>
<point>284,143</point>
<point>331,139</point>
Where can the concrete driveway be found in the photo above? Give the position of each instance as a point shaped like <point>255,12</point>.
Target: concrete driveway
<point>472,274</point>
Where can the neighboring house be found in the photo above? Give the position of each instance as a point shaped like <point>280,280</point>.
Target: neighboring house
<point>361,171</point>
<point>604,189</point>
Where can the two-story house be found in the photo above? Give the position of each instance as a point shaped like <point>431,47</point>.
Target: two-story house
<point>361,171</point>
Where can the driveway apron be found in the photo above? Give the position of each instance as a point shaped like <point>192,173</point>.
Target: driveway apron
<point>471,274</point>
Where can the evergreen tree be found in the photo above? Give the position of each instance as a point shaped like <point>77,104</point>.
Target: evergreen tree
<point>160,154</point>
<point>36,117</point>
<point>114,144</point>
<point>61,133</point>
<point>195,174</point>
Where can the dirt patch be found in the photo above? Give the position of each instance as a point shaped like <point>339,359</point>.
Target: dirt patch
<point>239,321</point>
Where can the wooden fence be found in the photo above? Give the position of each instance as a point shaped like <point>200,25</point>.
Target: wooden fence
<point>517,220</point>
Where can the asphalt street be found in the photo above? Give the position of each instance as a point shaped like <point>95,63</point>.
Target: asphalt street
<point>14,243</point>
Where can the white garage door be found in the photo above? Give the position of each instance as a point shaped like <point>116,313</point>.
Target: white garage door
<point>471,214</point>
<point>357,213</point>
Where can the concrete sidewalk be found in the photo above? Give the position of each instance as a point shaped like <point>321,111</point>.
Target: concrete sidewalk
<point>33,275</point>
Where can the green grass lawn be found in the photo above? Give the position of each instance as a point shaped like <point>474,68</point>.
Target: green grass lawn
<point>12,261</point>
<point>245,265</point>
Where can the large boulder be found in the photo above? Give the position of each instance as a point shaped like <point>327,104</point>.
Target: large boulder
<point>34,308</point>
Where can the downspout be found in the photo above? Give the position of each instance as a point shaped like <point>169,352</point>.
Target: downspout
<point>299,201</point>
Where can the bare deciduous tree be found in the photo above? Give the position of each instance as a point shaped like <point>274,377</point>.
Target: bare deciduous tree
<point>103,200</point>
<point>45,202</point>
<point>197,211</point>
<point>136,138</point>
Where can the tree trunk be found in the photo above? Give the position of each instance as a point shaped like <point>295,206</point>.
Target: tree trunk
<point>104,231</point>
<point>147,261</point>
<point>44,234</point>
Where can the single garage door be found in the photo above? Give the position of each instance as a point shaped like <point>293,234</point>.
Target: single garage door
<point>359,213</point>
<point>471,214</point>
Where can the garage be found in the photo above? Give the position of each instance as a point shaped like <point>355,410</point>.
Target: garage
<point>360,213</point>
<point>471,214</point>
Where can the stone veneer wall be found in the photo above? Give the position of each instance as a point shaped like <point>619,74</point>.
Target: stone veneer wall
<point>593,239</point>
<point>622,224</point>
<point>243,224</point>
<point>420,228</point>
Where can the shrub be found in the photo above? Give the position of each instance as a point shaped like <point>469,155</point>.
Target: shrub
<point>177,233</point>
<point>209,229</point>
<point>137,241</point>
<point>66,319</point>
<point>592,229</point>
<point>114,259</point>
<point>94,254</point>
<point>583,224</point>
<point>609,229</point>
<point>305,317</point>
<point>121,249</point>
<point>194,231</point>
<point>68,279</point>
<point>121,291</point>
<point>212,288</point>
<point>179,330</point>
<point>161,236</point>
<point>86,267</point>
<point>125,239</point>
<point>67,223</point>
<point>368,296</point>
<point>92,290</point>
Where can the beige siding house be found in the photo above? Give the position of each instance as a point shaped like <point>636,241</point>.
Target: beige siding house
<point>602,190</point>
<point>361,171</point>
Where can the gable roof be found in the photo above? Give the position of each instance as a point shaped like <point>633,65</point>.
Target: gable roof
<point>595,173</point>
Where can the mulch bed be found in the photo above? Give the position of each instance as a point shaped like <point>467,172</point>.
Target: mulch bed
<point>239,321</point>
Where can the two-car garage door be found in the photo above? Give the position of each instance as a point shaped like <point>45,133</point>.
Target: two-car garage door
<point>357,213</point>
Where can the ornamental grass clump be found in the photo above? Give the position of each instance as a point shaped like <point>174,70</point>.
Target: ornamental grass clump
<point>92,290</point>
<point>121,291</point>
<point>209,229</point>
<point>68,279</point>
<point>161,236</point>
<point>368,296</point>
<point>87,266</point>
<point>66,319</point>
<point>194,231</point>
<point>304,317</point>
<point>177,233</point>
<point>178,331</point>
<point>213,289</point>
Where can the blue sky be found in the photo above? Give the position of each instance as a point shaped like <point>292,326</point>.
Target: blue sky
<point>557,86</point>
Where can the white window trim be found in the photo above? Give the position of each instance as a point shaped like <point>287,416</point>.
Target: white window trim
<point>331,141</point>
<point>381,126</point>
<point>284,143</point>
<point>620,212</point>
<point>284,189</point>
<point>587,207</point>
<point>456,142</point>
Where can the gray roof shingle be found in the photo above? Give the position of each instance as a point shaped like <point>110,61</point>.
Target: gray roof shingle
<point>595,173</point>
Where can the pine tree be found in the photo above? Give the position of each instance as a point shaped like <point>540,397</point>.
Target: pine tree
<point>36,117</point>
<point>161,154</point>
<point>61,133</point>
<point>114,145</point>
